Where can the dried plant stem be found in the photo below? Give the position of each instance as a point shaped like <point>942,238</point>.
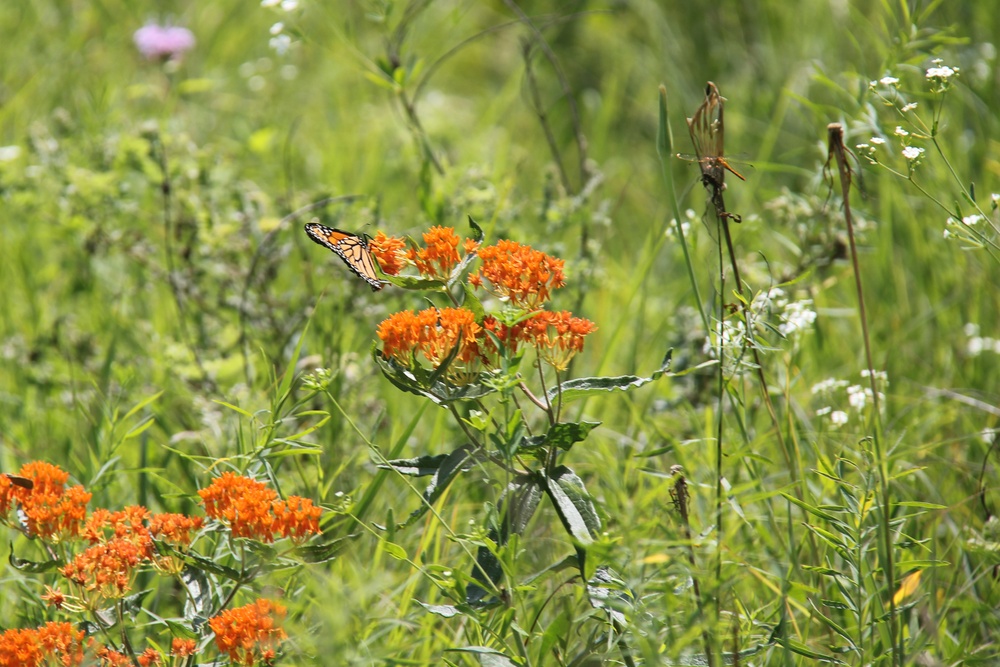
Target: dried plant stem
<point>838,153</point>
<point>680,496</point>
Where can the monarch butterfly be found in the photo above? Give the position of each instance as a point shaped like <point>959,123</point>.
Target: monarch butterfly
<point>351,248</point>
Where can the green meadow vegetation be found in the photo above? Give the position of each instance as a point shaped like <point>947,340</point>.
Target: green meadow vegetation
<point>745,433</point>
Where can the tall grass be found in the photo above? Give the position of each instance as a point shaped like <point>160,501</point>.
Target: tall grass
<point>162,315</point>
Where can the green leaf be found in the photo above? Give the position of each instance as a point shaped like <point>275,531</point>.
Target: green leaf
<point>444,610</point>
<point>517,507</point>
<point>607,591</point>
<point>421,466</point>
<point>417,283</point>
<point>30,566</point>
<point>573,504</point>
<point>451,466</point>
<point>418,381</point>
<point>488,657</point>
<point>477,231</point>
<point>563,435</point>
<point>327,551</point>
<point>572,390</point>
<point>199,592</point>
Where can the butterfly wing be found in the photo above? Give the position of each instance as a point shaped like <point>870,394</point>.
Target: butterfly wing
<point>349,247</point>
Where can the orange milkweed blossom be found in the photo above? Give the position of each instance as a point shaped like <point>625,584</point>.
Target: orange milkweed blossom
<point>182,648</point>
<point>250,634</point>
<point>174,528</point>
<point>434,333</point>
<point>520,273</point>
<point>250,509</point>
<point>52,511</point>
<point>390,252</point>
<point>53,643</point>
<point>107,571</point>
<point>557,336</point>
<point>439,256</point>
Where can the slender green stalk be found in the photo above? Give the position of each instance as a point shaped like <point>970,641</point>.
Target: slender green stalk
<point>838,152</point>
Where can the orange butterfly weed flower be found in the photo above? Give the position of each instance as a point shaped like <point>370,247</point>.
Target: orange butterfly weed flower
<point>52,511</point>
<point>297,518</point>
<point>390,252</point>
<point>253,510</point>
<point>433,332</point>
<point>176,529</point>
<point>557,336</point>
<point>182,648</point>
<point>53,643</point>
<point>243,504</point>
<point>149,657</point>
<point>53,597</point>
<point>107,570</point>
<point>111,658</point>
<point>520,273</point>
<point>250,634</point>
<point>439,256</point>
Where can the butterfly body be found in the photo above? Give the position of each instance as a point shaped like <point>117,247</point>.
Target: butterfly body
<point>351,248</point>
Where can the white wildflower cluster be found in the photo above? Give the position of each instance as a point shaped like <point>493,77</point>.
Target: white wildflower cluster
<point>689,217</point>
<point>968,230</point>
<point>940,75</point>
<point>795,317</point>
<point>858,396</point>
<point>977,344</point>
<point>731,340</point>
<point>280,40</point>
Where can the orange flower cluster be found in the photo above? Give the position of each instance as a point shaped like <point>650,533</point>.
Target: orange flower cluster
<point>250,634</point>
<point>557,336</point>
<point>250,509</point>
<point>107,570</point>
<point>52,511</point>
<point>390,252</point>
<point>520,273</point>
<point>440,255</point>
<point>182,648</point>
<point>432,332</point>
<point>53,643</point>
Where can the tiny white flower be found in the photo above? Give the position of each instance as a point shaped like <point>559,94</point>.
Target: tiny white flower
<point>937,61</point>
<point>878,141</point>
<point>971,220</point>
<point>943,72</point>
<point>862,147</point>
<point>975,346</point>
<point>888,81</point>
<point>277,28</point>
<point>824,411</point>
<point>838,417</point>
<point>909,107</point>
<point>8,153</point>
<point>280,44</point>
<point>900,132</point>
<point>989,435</point>
<point>946,234</point>
<point>289,5</point>
<point>912,152</point>
<point>872,83</point>
<point>971,329</point>
<point>269,3</point>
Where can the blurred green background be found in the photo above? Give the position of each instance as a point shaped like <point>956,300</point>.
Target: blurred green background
<point>108,299</point>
